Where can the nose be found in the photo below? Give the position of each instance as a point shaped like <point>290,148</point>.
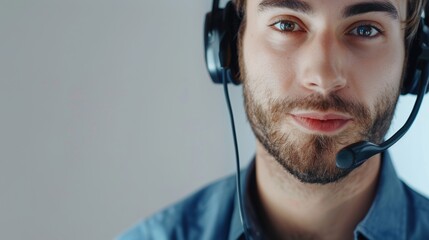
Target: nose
<point>321,64</point>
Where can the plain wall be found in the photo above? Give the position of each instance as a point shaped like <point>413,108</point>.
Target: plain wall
<point>108,115</point>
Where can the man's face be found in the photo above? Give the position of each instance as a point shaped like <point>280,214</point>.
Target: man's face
<point>319,75</point>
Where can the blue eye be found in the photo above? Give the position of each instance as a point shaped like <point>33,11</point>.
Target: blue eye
<point>367,31</point>
<point>287,26</point>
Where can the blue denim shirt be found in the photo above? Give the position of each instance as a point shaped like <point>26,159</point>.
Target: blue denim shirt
<point>397,213</point>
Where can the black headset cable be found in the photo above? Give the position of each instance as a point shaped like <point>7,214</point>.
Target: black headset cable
<point>237,157</point>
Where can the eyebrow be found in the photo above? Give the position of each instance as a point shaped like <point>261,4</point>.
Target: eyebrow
<point>296,5</point>
<point>365,7</point>
<point>352,10</point>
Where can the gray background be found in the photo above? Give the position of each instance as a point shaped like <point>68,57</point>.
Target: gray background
<point>108,114</point>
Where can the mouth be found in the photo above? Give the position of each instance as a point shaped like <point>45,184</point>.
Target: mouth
<point>322,123</point>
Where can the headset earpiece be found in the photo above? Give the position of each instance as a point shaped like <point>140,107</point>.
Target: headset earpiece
<point>220,42</point>
<point>417,62</point>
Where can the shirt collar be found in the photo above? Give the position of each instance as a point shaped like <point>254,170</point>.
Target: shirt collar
<point>386,218</point>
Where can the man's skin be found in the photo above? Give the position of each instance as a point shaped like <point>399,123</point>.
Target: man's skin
<point>319,75</point>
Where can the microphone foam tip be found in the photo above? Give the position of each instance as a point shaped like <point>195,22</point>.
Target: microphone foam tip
<point>345,159</point>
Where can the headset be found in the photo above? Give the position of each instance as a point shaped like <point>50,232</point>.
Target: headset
<point>221,29</point>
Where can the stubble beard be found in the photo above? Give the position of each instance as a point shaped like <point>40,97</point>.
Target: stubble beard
<point>311,157</point>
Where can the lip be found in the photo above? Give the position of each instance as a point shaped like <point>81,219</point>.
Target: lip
<point>319,122</point>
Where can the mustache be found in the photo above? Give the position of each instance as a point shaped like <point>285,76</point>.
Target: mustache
<point>319,102</point>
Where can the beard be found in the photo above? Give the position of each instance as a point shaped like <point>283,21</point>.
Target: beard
<point>311,157</point>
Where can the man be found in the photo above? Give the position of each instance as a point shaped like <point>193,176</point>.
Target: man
<point>317,76</point>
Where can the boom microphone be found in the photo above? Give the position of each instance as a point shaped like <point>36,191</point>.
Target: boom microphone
<point>356,154</point>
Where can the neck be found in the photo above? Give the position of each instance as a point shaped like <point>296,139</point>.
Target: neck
<point>330,211</point>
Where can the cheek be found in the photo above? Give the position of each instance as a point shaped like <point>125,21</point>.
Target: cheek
<point>269,71</point>
<point>372,76</point>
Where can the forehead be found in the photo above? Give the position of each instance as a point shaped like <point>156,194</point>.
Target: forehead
<point>395,8</point>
